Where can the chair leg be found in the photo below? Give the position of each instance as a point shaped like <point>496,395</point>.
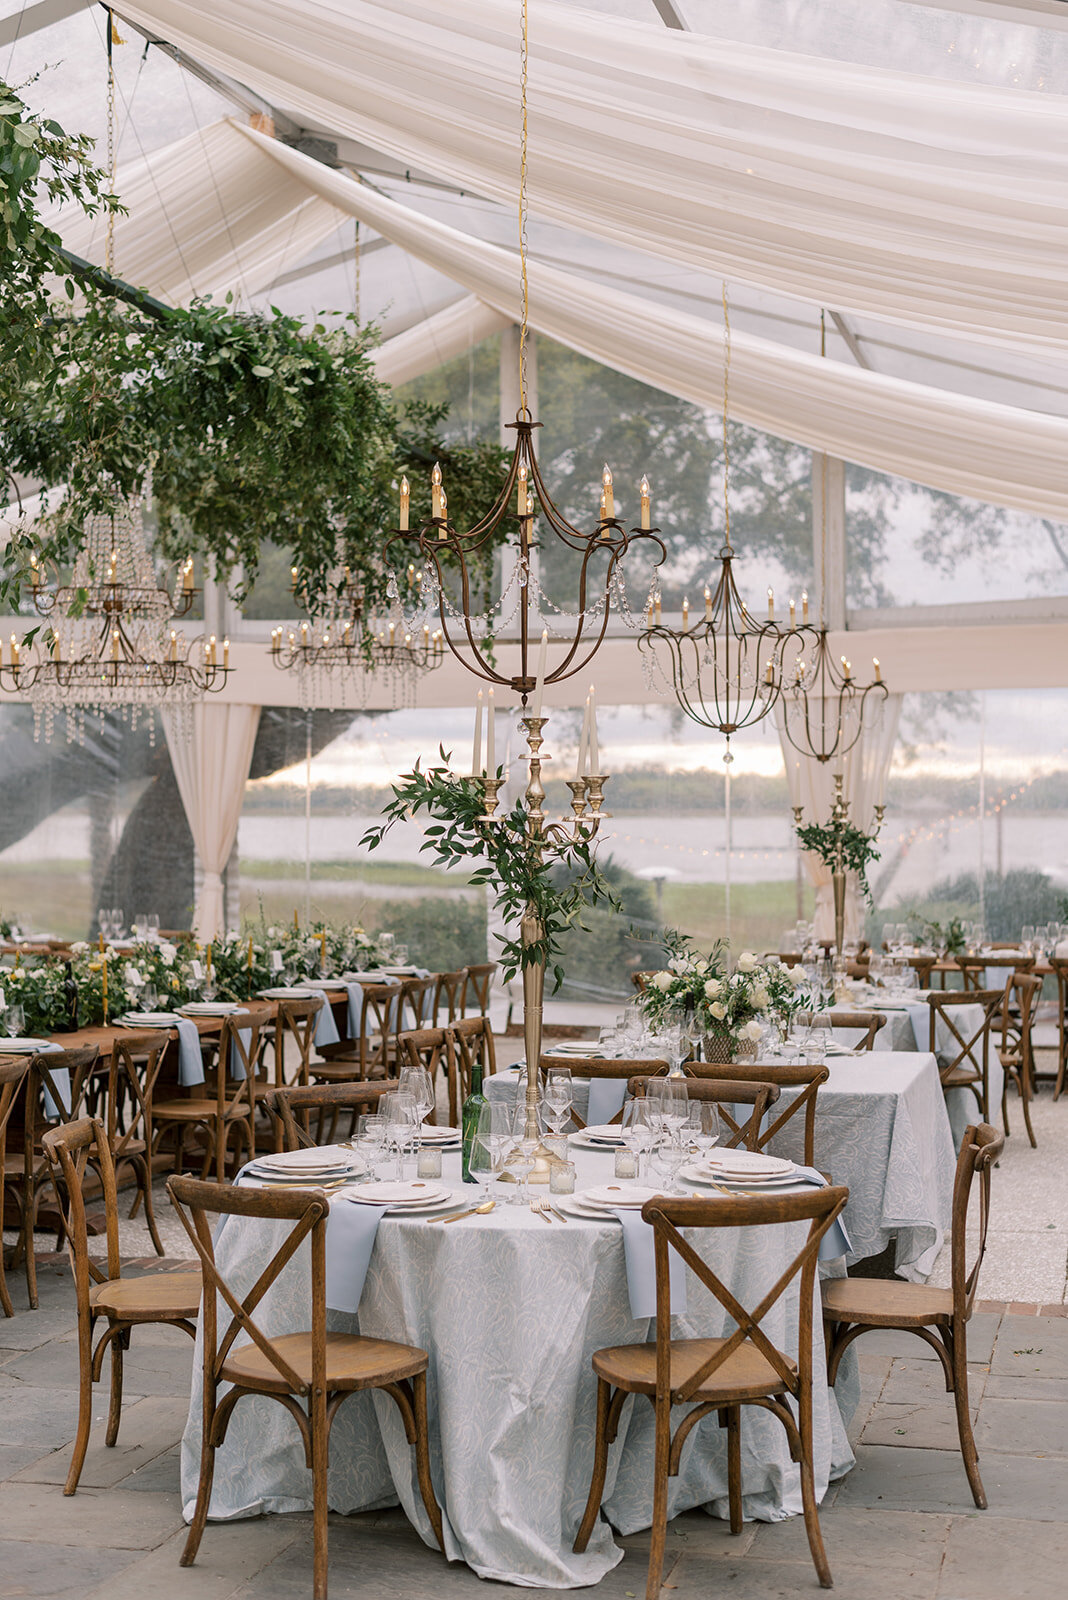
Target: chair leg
<point>812,1518</point>
<point>118,1344</point>
<point>200,1514</point>
<point>731,1419</point>
<point>661,1462</point>
<point>600,1469</point>
<point>964,1419</point>
<point>422,1458</point>
<point>320,1492</point>
<point>29,1217</point>
<point>85,1404</point>
<point>1025,1099</point>
<point>1005,1106</point>
<point>143,1169</point>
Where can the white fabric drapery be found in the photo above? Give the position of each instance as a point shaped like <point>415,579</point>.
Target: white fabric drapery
<point>441,337</point>
<point>992,452</point>
<point>811,784</point>
<point>206,215</point>
<point>934,203</point>
<point>211,751</point>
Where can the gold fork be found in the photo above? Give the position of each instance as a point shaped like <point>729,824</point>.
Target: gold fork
<point>540,1209</point>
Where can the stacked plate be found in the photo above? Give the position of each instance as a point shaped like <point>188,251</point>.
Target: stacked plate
<point>210,1008</point>
<point>329,1163</point>
<point>747,1169</point>
<point>406,1196</point>
<point>148,1019</point>
<point>441,1138</point>
<point>604,1200</point>
<point>587,1048</point>
<point>283,993</point>
<point>27,1047</point>
<point>601,1136</point>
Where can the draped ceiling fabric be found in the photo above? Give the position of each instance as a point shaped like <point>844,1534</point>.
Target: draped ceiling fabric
<point>936,205</point>
<point>211,763</point>
<point>437,340</point>
<point>991,452</point>
<point>205,216</point>
<point>811,784</point>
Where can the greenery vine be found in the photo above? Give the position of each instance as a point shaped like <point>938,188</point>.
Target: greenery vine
<point>841,845</point>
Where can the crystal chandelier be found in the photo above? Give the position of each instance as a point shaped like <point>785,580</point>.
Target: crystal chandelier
<point>823,709</point>
<point>109,646</point>
<point>345,650</point>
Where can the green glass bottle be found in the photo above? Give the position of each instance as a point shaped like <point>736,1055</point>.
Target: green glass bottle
<point>474,1158</point>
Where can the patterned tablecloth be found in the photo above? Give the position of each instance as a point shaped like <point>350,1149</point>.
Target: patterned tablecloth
<point>510,1310</point>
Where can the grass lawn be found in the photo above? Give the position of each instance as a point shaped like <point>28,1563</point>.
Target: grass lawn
<point>759,911</point>
<point>405,874</point>
<point>48,896</point>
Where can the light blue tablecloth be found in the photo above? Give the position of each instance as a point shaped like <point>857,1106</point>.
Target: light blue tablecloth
<point>510,1311</point>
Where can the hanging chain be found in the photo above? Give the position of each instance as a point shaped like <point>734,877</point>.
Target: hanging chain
<point>109,226</point>
<point>726,408</point>
<point>356,263</point>
<point>823,491</point>
<point>523,49</point>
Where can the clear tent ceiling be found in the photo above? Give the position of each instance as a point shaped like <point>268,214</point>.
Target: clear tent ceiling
<point>159,101</point>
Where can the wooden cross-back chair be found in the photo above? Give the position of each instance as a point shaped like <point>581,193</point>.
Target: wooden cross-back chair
<point>14,1075</point>
<point>228,1113</point>
<point>133,1068</point>
<point>296,1020</point>
<point>313,1366</point>
<point>725,1095</point>
<point>596,1067</point>
<point>1014,1049</point>
<point>415,1007</point>
<point>718,1375</point>
<point>430,1049</point>
<point>125,1303</point>
<point>807,1080</point>
<point>370,1053</point>
<point>477,985</point>
<point>963,1052</point>
<point>973,969</point>
<point>309,1114</point>
<point>852,1306</point>
<point>1060,973</point>
<point>470,1041</point>
<point>870,1021</point>
<point>449,992</point>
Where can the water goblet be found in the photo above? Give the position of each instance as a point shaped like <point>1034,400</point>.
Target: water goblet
<point>495,1135</point>
<point>401,1112</point>
<point>370,1138</point>
<point>149,996</point>
<point>400,955</point>
<point>637,1129</point>
<point>703,1129</point>
<point>386,942</point>
<point>668,1157</point>
<point>14,1019</point>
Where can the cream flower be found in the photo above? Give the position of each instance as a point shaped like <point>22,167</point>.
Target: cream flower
<point>747,961</point>
<point>760,997</point>
<point>717,1010</point>
<point>662,981</point>
<point>752,1030</point>
<point>712,988</point>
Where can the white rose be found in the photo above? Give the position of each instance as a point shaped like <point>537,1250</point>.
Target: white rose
<point>746,961</point>
<point>797,976</point>
<point>752,1030</point>
<point>760,998</point>
<point>168,953</point>
<point>79,948</point>
<point>712,988</point>
<point>679,965</point>
<point>661,981</point>
<point>718,1010</point>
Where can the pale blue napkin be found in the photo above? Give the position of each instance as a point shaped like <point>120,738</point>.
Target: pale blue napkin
<point>325,1026</point>
<point>606,1099</point>
<point>61,1079</point>
<point>237,1066</point>
<point>190,1060</point>
<point>350,1239</point>
<point>920,1017</point>
<point>835,1241</point>
<point>641,1267</point>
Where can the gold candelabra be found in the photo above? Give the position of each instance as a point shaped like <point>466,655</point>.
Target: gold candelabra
<point>838,824</point>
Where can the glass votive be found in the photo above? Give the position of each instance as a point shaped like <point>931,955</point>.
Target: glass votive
<point>562,1177</point>
<point>429,1164</point>
<point>626,1164</point>
<point>556,1144</point>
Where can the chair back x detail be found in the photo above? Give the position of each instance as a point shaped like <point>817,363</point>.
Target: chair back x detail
<point>727,1095</point>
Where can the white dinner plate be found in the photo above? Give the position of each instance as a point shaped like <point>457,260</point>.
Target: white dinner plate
<point>311,1159</point>
<point>430,1133</point>
<point>747,1164</point>
<point>605,1132</point>
<point>28,1047</point>
<point>148,1019</point>
<point>618,1196</point>
<point>576,1047</point>
<point>574,1206</point>
<point>211,1008</point>
<point>605,1146</point>
<point>309,1180</point>
<point>282,993</point>
<point>404,1192</point>
<point>701,1176</point>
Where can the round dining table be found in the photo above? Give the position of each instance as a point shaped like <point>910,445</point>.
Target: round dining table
<point>510,1309</point>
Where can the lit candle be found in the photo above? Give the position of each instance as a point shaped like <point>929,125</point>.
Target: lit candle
<point>35,575</point>
<point>793,616</point>
<point>174,643</point>
<point>426,634</point>
<point>476,745</point>
<point>584,740</point>
<point>644,491</point>
<point>226,652</point>
<point>411,576</point>
<point>878,669</point>
<point>304,633</point>
<point>769,674</point>
<point>111,566</point>
<point>649,615</point>
<point>405,503</point>
<point>609,496</point>
<point>187,573</point>
<point>846,669</point>
<point>593,752</point>
<point>491,745</point>
<point>771,605</point>
<point>708,604</point>
<point>656,607</point>
<point>114,644</point>
<point>14,651</point>
<point>804,605</point>
<point>685,614</point>
<point>435,491</point>
<point>521,490</point>
<point>443,510</point>
<point>539,685</point>
<point>392,631</point>
<point>211,649</point>
<point>296,920</point>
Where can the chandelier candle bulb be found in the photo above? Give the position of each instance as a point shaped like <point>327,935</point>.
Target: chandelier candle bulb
<point>656,608</point>
<point>111,566</point>
<point>226,653</point>
<point>114,644</point>
<point>435,491</point>
<point>708,603</point>
<point>405,503</point>
<point>443,510</point>
<point>793,614</point>
<point>522,501</point>
<point>771,605</point>
<point>685,615</point>
<point>804,605</point>
<point>35,572</point>
<point>609,507</point>
<point>878,669</point>
<point>491,745</point>
<point>539,684</point>
<point>476,744</point>
<point>646,497</point>
<point>174,643</point>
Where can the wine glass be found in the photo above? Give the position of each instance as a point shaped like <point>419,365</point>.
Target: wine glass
<point>672,1040</point>
<point>637,1129</point>
<point>523,1146</point>
<point>495,1134</point>
<point>674,1096</point>
<point>401,1112</point>
<point>419,1083</point>
<point>152,926</point>
<point>668,1157</point>
<point>703,1128</point>
<point>371,1137</point>
<point>386,942</point>
<point>558,1096</point>
<point>400,955</point>
<point>814,1046</point>
<point>1027,935</point>
<point>208,989</point>
<point>149,996</point>
<point>14,1019</point>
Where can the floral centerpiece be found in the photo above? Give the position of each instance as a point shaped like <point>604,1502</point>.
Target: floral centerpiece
<point>727,1010</point>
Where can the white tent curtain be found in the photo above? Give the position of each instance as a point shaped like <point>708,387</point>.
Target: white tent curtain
<point>206,215</point>
<point>811,784</point>
<point>211,751</point>
<point>979,448</point>
<point>437,340</point>
<point>934,203</point>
